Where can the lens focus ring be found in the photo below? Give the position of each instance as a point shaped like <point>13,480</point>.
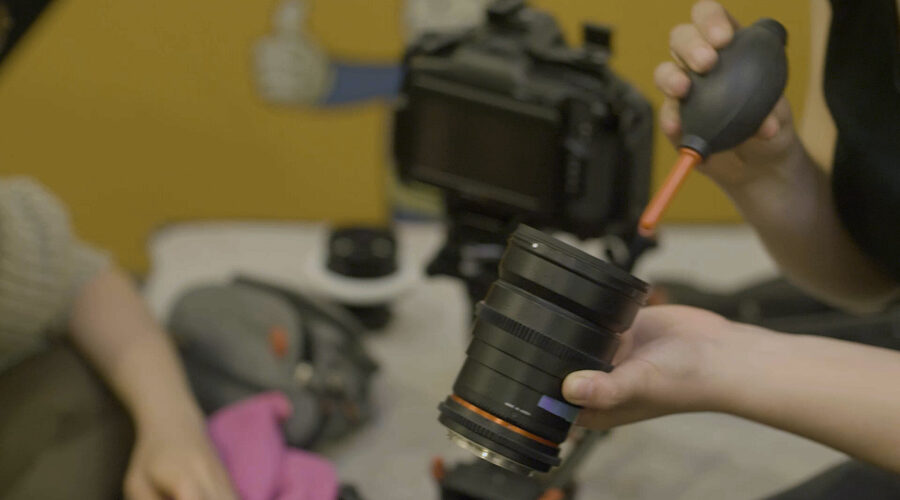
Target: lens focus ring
<point>541,341</point>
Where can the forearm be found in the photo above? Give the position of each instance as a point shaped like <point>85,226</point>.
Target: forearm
<point>838,393</point>
<point>114,329</point>
<point>792,210</point>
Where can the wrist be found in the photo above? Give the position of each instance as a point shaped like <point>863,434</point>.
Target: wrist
<point>179,424</point>
<point>779,164</point>
<point>162,412</point>
<point>152,384</point>
<point>716,360</point>
<point>739,365</point>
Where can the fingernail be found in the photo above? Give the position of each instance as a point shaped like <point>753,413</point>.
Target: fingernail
<point>578,387</point>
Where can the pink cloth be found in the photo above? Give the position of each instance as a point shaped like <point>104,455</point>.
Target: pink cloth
<point>262,467</point>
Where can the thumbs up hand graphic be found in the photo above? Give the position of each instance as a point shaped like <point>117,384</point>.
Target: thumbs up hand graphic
<point>289,67</point>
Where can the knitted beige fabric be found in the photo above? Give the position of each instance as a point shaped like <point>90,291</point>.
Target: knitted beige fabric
<point>42,267</point>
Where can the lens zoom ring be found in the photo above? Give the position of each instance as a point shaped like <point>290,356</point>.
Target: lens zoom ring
<point>540,340</point>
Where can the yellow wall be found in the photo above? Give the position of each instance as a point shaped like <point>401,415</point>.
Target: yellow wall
<point>142,113</point>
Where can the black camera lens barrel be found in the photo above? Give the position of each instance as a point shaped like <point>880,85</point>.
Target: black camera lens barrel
<point>554,310</point>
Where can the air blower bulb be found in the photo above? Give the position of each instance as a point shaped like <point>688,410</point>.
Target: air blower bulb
<point>725,106</point>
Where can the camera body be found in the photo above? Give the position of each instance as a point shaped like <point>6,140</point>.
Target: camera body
<point>515,125</point>
<point>16,17</point>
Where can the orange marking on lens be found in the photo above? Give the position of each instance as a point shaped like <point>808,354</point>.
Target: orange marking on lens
<point>553,494</point>
<point>438,471</point>
<point>499,421</point>
<point>278,341</point>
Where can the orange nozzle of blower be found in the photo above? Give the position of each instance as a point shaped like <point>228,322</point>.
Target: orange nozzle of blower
<point>687,160</point>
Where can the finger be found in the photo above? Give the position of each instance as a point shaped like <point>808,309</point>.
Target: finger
<point>224,490</point>
<point>138,488</point>
<point>604,419</point>
<point>769,128</point>
<point>689,46</point>
<point>782,112</point>
<point>189,490</point>
<point>671,80</point>
<point>217,485</point>
<point>670,120</point>
<point>176,485</point>
<point>211,478</point>
<point>222,478</point>
<point>225,485</point>
<point>714,23</point>
<point>606,391</point>
<point>679,61</point>
<point>625,347</point>
<point>202,486</point>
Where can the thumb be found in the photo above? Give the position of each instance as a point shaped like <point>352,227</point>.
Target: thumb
<point>604,391</point>
<point>612,399</point>
<point>290,17</point>
<point>769,127</point>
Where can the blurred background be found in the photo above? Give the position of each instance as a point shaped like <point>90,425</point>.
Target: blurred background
<point>142,114</point>
<point>157,121</point>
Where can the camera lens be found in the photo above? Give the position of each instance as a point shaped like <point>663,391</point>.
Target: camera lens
<point>554,310</point>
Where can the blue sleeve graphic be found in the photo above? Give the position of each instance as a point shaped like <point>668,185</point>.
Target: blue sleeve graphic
<point>355,83</point>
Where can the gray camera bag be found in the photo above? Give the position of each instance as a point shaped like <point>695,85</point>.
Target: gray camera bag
<point>247,337</point>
